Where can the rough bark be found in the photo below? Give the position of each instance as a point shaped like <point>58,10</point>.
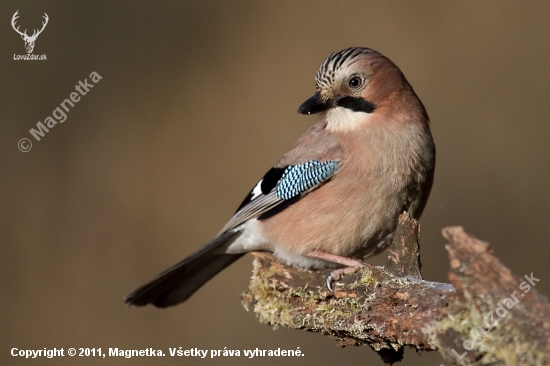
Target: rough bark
<point>485,316</point>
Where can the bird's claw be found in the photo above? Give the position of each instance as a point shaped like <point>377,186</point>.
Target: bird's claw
<point>334,276</point>
<point>329,282</point>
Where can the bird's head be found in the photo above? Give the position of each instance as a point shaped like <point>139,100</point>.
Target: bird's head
<point>360,81</point>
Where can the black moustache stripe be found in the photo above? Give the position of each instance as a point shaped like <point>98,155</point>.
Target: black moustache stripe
<point>356,104</point>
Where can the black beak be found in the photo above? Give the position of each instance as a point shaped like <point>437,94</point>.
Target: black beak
<point>314,105</point>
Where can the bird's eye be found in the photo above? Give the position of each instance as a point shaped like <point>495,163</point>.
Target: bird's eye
<point>355,82</point>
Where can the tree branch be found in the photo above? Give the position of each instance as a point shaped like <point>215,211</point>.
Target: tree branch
<point>486,316</point>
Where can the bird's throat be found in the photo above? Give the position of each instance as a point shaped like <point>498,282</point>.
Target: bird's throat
<point>340,119</point>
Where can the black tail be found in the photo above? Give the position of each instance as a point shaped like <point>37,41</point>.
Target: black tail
<point>178,283</point>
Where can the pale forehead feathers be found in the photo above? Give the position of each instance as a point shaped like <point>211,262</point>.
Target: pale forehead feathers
<point>336,61</point>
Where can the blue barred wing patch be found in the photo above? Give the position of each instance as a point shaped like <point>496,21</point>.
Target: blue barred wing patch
<point>297,179</point>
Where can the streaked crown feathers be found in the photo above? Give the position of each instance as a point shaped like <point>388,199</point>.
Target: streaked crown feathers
<point>337,61</point>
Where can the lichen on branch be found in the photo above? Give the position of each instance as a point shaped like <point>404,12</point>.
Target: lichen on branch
<point>391,307</point>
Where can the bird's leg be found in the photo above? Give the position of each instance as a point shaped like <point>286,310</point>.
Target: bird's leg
<point>351,265</point>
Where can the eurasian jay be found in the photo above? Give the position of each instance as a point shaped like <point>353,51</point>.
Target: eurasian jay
<point>334,198</point>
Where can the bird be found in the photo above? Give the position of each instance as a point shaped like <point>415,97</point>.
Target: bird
<point>334,198</point>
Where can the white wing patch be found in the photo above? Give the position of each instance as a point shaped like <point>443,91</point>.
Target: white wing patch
<point>257,191</point>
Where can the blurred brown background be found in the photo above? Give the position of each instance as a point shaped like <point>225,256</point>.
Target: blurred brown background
<point>197,100</point>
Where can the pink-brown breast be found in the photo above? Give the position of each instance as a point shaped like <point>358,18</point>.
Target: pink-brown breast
<point>384,171</point>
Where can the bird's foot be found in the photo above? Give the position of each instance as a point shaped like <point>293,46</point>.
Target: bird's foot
<point>337,275</point>
<point>351,265</point>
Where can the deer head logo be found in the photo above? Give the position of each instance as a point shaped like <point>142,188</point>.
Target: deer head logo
<point>29,40</point>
